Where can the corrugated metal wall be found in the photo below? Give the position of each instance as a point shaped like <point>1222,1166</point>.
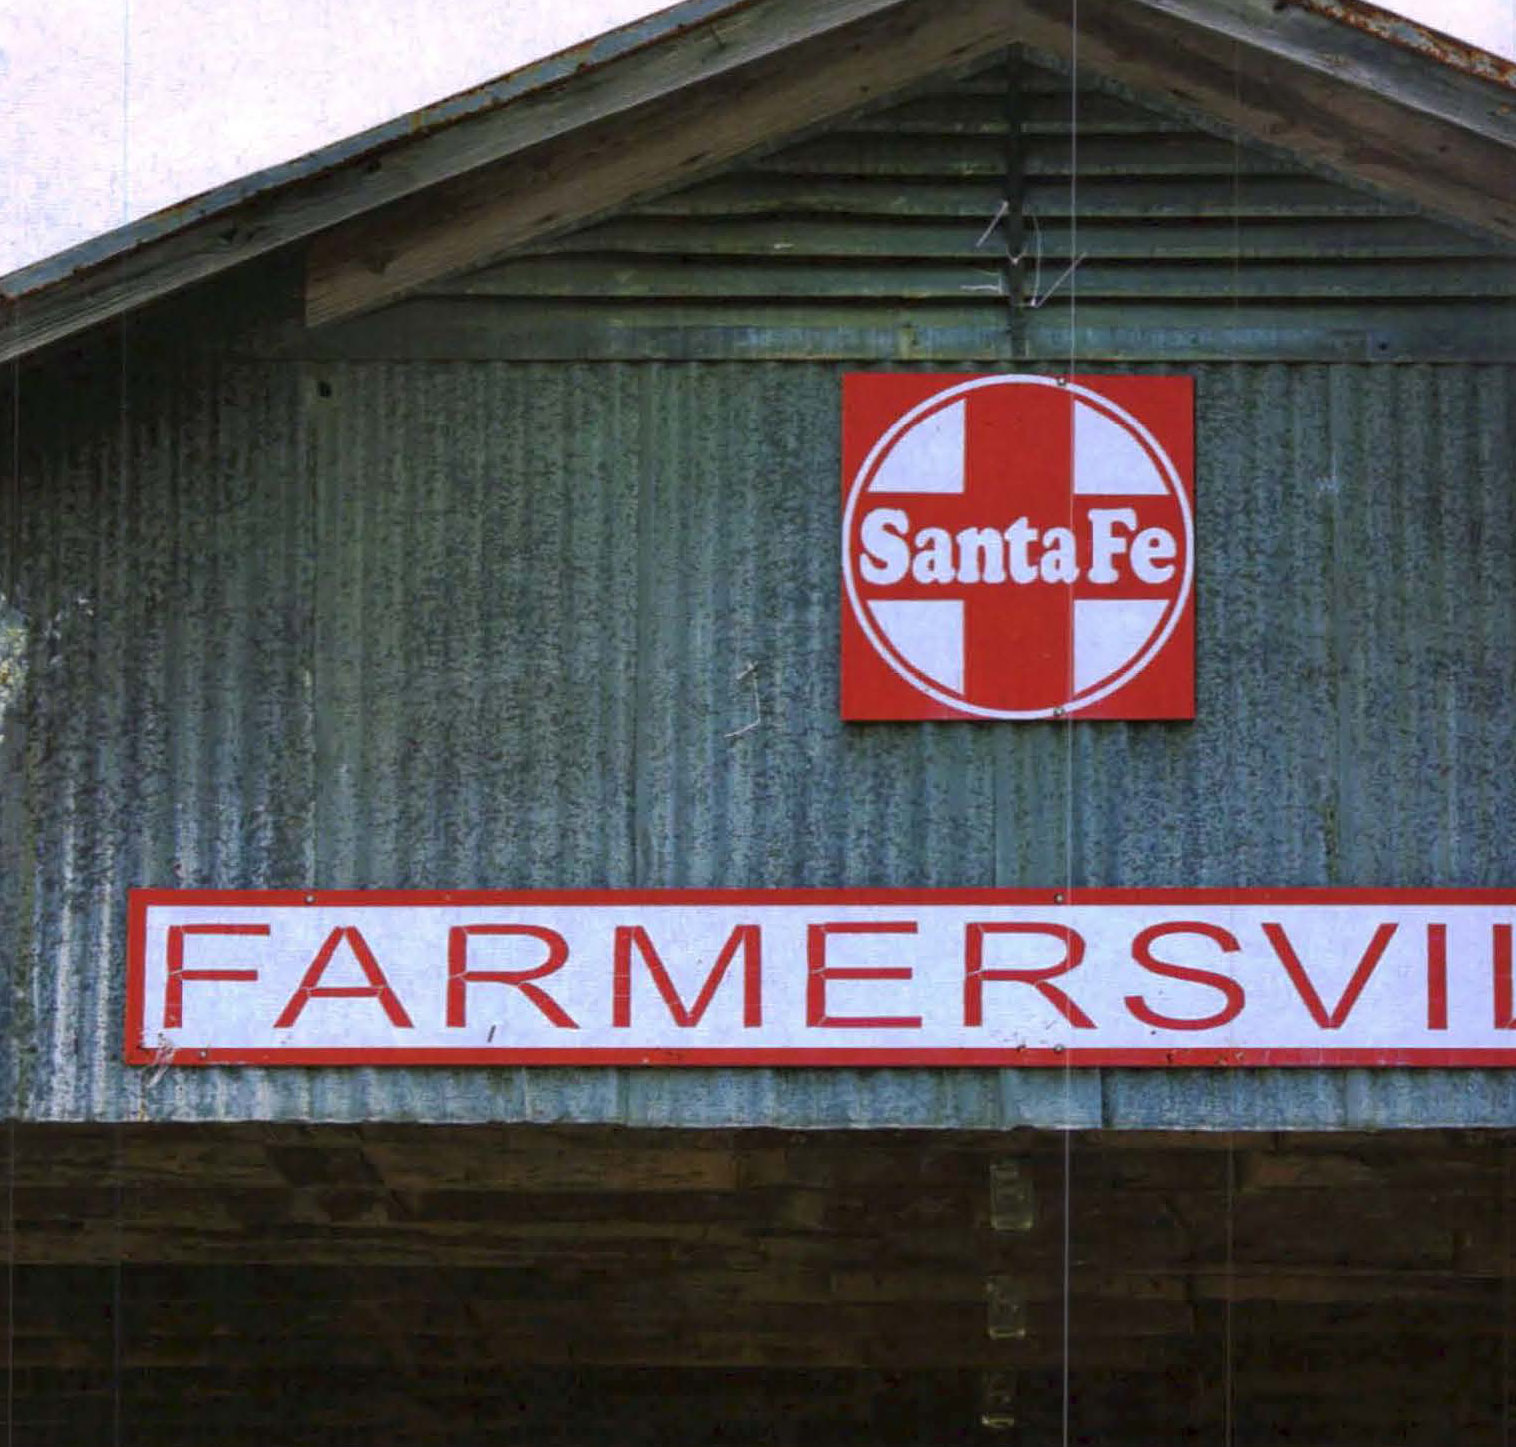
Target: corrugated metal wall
<point>482,624</point>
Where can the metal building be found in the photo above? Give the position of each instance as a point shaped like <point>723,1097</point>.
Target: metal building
<point>456,509</point>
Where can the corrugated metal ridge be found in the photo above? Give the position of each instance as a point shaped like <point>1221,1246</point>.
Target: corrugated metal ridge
<point>1422,40</point>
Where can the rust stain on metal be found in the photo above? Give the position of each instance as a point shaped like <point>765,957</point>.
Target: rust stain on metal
<point>1410,35</point>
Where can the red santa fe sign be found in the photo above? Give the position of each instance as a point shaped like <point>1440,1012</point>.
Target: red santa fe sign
<point>947,977</point>
<point>1017,547</point>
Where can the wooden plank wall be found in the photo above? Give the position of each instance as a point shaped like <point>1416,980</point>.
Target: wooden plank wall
<point>303,1285</point>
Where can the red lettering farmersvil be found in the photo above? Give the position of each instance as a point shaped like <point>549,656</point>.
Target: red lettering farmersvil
<point>1333,1019</point>
<point>744,937</point>
<point>378,986</point>
<point>863,978</point>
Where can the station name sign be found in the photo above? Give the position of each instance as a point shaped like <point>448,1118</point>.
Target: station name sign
<point>816,978</point>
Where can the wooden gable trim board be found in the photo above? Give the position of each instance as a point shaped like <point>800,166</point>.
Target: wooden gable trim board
<point>1326,117</point>
<point>1438,134</point>
<point>1351,41</point>
<point>1342,121</point>
<point>605,78</point>
<point>676,140</point>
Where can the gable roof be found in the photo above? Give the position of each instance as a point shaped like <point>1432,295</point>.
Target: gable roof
<point>875,239</point>
<point>669,99</point>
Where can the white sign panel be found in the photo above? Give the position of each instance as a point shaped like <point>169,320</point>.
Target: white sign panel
<point>958,977</point>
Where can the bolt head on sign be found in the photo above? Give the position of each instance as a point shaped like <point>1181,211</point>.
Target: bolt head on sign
<point>1017,547</point>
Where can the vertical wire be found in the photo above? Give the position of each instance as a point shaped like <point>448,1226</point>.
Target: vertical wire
<point>11,1082</point>
<point>123,463</point>
<point>1068,734</point>
<point>1505,1296</point>
<point>1229,1304</point>
<point>126,109</point>
<point>12,554</point>
<point>117,1342</point>
<point>11,1079</point>
<point>1228,1363</point>
<point>10,1281</point>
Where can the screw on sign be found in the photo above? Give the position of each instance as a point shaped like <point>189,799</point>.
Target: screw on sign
<point>1017,547</point>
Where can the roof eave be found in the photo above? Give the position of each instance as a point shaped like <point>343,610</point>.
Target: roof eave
<point>467,105</point>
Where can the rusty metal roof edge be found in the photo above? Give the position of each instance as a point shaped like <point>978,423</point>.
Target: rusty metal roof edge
<point>535,76</point>
<point>1362,45</point>
<point>1422,39</point>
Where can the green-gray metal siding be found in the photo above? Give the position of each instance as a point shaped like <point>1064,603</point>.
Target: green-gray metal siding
<point>482,625</point>
<point>463,594</point>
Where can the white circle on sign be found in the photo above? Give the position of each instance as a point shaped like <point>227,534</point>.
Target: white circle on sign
<point>909,443</point>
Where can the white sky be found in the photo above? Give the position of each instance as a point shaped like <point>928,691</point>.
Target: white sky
<point>110,109</point>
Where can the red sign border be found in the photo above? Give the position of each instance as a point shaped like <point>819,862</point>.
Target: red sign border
<point>140,900</point>
<point>861,655</point>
